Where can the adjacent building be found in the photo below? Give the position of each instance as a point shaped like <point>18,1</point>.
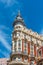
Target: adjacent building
<point>3,61</point>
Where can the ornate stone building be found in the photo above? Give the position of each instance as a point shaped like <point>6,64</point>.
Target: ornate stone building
<point>26,45</point>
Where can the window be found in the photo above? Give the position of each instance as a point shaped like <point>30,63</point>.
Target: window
<point>19,58</point>
<point>24,35</point>
<point>15,49</point>
<point>25,59</point>
<point>25,44</point>
<point>29,38</point>
<point>37,42</point>
<point>18,33</point>
<point>31,53</point>
<point>32,47</point>
<point>19,45</point>
<point>32,63</point>
<point>25,47</point>
<point>15,34</point>
<point>25,51</point>
<point>42,43</point>
<point>14,58</point>
<point>19,49</point>
<point>15,44</point>
<point>32,50</point>
<point>40,53</point>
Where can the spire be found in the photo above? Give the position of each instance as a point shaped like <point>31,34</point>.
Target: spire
<point>19,16</point>
<point>18,12</point>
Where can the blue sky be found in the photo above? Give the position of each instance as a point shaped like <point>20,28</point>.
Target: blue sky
<point>32,13</point>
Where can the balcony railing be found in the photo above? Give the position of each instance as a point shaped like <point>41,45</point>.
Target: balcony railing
<point>19,52</point>
<point>18,62</point>
<point>31,55</point>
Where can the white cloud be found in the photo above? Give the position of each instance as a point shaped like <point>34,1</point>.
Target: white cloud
<point>4,54</point>
<point>4,37</point>
<point>9,2</point>
<point>7,55</point>
<point>5,43</point>
<point>2,27</point>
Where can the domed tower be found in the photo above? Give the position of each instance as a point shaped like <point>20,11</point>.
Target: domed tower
<point>19,55</point>
<point>19,20</point>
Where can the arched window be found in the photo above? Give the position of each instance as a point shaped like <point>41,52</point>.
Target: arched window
<point>39,53</point>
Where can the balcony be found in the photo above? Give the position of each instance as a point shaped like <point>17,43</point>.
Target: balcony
<point>16,53</point>
<point>39,57</point>
<point>32,57</point>
<point>21,53</point>
<point>18,62</point>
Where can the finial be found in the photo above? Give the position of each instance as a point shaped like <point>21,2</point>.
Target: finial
<point>18,12</point>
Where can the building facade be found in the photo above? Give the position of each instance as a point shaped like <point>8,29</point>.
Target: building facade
<point>27,46</point>
<point>3,61</point>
